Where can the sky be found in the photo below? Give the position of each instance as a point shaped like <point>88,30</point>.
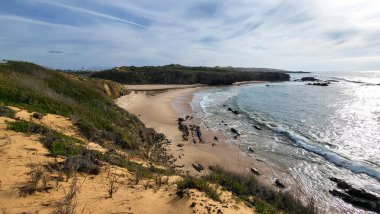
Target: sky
<point>307,35</point>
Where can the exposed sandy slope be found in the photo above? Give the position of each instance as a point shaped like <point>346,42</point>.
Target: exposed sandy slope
<point>161,111</point>
<point>18,151</point>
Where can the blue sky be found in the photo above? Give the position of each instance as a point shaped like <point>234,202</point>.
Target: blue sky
<point>290,34</point>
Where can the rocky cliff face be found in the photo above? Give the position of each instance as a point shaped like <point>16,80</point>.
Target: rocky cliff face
<point>188,75</point>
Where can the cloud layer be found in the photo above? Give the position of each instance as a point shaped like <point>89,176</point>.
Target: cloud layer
<point>289,34</point>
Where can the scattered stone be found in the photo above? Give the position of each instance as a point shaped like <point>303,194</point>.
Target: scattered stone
<point>250,149</point>
<point>197,166</point>
<point>85,164</point>
<point>257,127</point>
<point>213,144</point>
<point>236,112</point>
<point>255,171</point>
<point>229,109</point>
<point>216,138</point>
<point>193,204</point>
<point>180,145</point>
<point>234,131</point>
<point>279,183</point>
<point>37,115</point>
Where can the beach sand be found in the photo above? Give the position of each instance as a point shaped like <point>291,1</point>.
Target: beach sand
<point>19,152</point>
<point>161,112</point>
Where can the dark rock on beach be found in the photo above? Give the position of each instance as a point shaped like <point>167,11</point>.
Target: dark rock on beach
<point>279,183</point>
<point>255,171</point>
<point>319,84</point>
<point>184,129</point>
<point>355,196</point>
<point>234,131</point>
<point>197,166</point>
<point>37,115</point>
<point>257,127</point>
<point>309,79</point>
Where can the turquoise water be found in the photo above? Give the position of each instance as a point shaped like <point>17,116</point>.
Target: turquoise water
<point>314,132</point>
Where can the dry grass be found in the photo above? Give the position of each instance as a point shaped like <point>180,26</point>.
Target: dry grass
<point>37,181</point>
<point>112,182</point>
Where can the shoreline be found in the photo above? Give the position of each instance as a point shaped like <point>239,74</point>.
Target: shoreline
<point>161,110</point>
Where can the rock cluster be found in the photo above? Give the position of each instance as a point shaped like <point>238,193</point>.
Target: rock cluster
<point>355,196</point>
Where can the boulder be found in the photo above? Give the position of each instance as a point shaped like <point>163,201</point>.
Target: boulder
<point>235,112</point>
<point>180,145</point>
<point>250,149</point>
<point>234,131</point>
<point>37,115</point>
<point>216,138</point>
<point>279,183</point>
<point>197,166</point>
<point>257,127</point>
<point>255,171</point>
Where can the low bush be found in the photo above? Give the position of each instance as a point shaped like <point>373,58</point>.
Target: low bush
<point>6,112</point>
<point>199,184</point>
<point>245,186</point>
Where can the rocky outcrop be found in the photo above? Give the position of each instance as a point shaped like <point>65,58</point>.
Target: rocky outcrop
<point>309,79</point>
<point>319,84</point>
<point>355,196</point>
<point>184,129</point>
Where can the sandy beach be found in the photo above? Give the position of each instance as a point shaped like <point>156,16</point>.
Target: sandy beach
<point>160,110</point>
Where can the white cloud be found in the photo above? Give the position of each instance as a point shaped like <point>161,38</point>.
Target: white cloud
<point>290,34</point>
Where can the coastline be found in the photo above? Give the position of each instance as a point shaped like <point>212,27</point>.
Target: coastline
<point>161,109</point>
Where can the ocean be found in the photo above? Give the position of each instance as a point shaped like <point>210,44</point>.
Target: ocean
<point>314,132</point>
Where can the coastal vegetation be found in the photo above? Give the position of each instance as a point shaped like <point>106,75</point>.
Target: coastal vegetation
<point>178,74</point>
<point>83,100</point>
<point>88,103</point>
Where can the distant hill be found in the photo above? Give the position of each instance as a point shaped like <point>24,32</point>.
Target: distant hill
<point>178,74</point>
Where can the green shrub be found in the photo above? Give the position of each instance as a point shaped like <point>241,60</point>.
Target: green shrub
<point>245,186</point>
<point>6,112</point>
<point>34,88</point>
<point>199,184</point>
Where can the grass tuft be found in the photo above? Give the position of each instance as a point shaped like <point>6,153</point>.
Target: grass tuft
<point>267,200</point>
<point>199,184</point>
